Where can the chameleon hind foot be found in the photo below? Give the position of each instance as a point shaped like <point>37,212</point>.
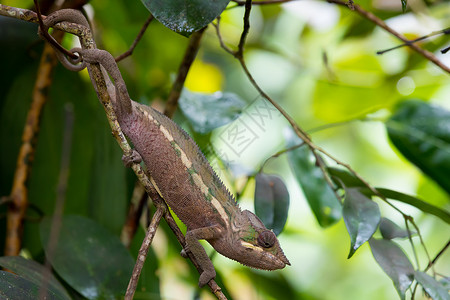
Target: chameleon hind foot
<point>134,158</point>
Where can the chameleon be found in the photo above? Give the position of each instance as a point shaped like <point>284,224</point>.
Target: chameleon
<point>182,175</point>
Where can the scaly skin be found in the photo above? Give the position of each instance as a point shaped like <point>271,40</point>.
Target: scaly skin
<point>184,178</point>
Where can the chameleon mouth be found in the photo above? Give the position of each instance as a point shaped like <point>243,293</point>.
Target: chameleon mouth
<point>281,257</point>
<point>266,260</point>
<point>285,260</point>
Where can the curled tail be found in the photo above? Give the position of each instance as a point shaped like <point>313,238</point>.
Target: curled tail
<point>122,101</point>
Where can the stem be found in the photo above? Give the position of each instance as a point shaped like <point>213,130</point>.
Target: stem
<point>143,251</point>
<point>136,40</point>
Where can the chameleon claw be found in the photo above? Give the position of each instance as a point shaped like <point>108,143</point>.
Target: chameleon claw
<point>184,253</point>
<point>206,276</point>
<point>133,158</point>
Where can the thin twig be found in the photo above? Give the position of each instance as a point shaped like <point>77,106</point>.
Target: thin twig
<point>142,254</point>
<point>278,154</point>
<point>245,30</point>
<point>326,175</point>
<point>433,262</point>
<point>416,259</point>
<point>48,37</point>
<point>219,35</point>
<point>443,31</point>
<point>380,23</point>
<point>422,242</point>
<point>136,40</point>
<point>188,59</point>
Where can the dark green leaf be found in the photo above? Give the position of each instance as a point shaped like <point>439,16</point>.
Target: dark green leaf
<point>318,193</point>
<point>345,177</point>
<point>389,230</point>
<point>404,3</point>
<point>14,287</point>
<point>209,111</point>
<point>18,40</point>
<point>394,263</point>
<point>361,216</point>
<point>433,288</point>
<point>35,273</point>
<point>421,132</point>
<point>185,16</point>
<point>89,258</point>
<point>271,201</point>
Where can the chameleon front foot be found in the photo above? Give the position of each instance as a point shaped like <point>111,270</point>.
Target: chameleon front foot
<point>207,274</point>
<point>134,158</point>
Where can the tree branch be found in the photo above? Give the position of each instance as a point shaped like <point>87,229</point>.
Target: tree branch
<point>143,251</point>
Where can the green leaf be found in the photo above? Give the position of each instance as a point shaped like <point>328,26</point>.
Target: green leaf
<point>345,178</point>
<point>421,132</point>
<point>394,263</point>
<point>185,16</point>
<point>389,230</point>
<point>433,288</point>
<point>361,217</point>
<point>35,273</point>
<point>89,258</point>
<point>208,111</point>
<point>320,196</point>
<point>13,286</point>
<point>271,201</point>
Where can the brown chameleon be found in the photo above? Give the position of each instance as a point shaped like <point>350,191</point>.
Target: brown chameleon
<point>183,176</point>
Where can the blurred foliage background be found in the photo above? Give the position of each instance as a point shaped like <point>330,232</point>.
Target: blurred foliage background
<point>318,60</point>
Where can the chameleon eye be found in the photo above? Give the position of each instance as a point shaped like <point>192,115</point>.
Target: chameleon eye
<point>266,239</point>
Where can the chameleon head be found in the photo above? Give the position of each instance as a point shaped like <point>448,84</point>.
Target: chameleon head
<point>254,245</point>
<point>263,252</point>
